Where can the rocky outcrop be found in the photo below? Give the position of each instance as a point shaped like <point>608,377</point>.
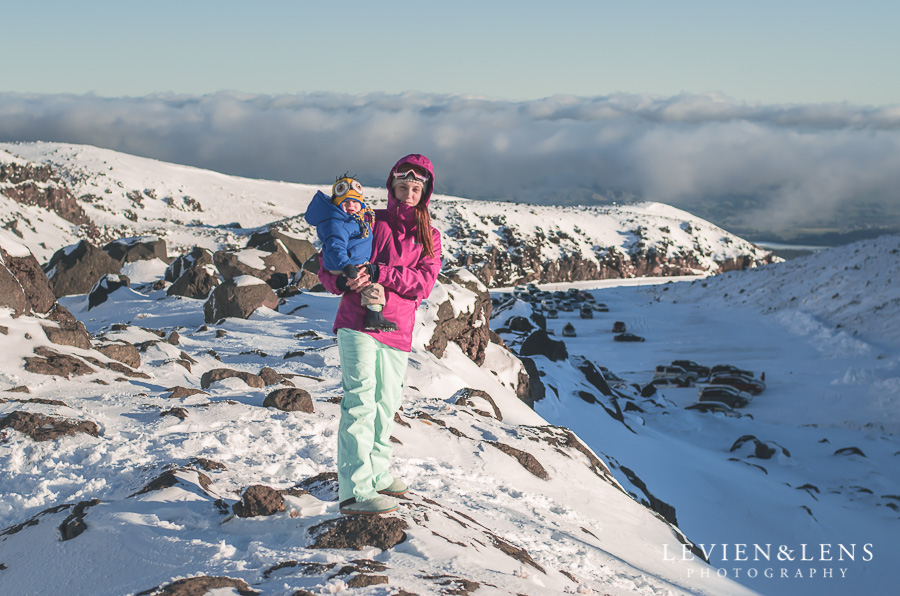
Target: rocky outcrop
<point>274,266</point>
<point>259,500</point>
<point>105,286</point>
<point>141,248</point>
<point>23,283</point>
<point>218,374</point>
<point>75,269</point>
<point>300,250</point>
<point>197,257</point>
<point>196,282</point>
<point>290,399</point>
<point>239,298</point>
<point>47,428</point>
<point>469,329</point>
<point>35,185</point>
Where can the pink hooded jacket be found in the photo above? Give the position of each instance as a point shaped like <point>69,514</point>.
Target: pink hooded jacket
<point>406,272</point>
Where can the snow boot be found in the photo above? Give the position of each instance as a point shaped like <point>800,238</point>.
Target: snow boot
<point>375,506</point>
<point>395,489</point>
<point>375,321</point>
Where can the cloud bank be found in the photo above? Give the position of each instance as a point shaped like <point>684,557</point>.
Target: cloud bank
<point>750,166</point>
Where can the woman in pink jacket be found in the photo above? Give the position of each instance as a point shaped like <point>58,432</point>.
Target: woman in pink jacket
<point>406,259</point>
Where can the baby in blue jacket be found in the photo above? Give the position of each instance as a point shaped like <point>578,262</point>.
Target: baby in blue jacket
<point>344,225</point>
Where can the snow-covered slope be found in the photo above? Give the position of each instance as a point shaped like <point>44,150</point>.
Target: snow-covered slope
<point>503,243</point>
<point>823,329</point>
<point>477,518</point>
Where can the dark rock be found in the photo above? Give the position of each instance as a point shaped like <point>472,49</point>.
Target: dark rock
<point>277,266</point>
<point>658,505</point>
<point>466,397</point>
<point>56,364</point>
<point>173,338</point>
<point>74,525</point>
<point>469,330</point>
<point>259,500</point>
<point>208,464</point>
<point>519,324</point>
<point>11,293</point>
<point>540,344</point>
<point>47,428</point>
<point>528,461</point>
<point>68,333</point>
<point>182,392</point>
<point>31,280</point>
<point>169,479</point>
<point>270,376</point>
<point>196,282</point>
<point>533,389</point>
<point>180,413</point>
<point>299,250</point>
<point>850,451</point>
<point>237,299</point>
<point>200,586</point>
<point>519,554</point>
<point>141,248</point>
<point>362,580</point>
<point>75,270</point>
<point>122,352</point>
<point>359,531</point>
<point>197,258</point>
<point>322,486</point>
<point>290,399</point>
<point>105,286</point>
<point>217,374</point>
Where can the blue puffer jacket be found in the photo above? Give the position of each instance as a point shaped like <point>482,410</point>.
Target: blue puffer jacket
<point>346,240</point>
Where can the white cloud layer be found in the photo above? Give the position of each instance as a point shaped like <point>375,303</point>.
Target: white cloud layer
<point>786,164</point>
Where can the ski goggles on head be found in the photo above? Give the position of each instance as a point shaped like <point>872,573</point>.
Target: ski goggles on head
<point>410,176</point>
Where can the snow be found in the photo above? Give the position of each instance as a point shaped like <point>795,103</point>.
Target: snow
<point>13,247</point>
<point>248,280</point>
<point>824,329</point>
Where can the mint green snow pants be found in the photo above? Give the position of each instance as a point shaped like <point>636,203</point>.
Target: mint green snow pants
<point>372,377</point>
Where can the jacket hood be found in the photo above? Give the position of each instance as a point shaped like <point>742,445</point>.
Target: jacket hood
<point>321,208</point>
<point>415,159</point>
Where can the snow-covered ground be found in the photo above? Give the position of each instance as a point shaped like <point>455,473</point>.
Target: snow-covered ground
<point>824,330</point>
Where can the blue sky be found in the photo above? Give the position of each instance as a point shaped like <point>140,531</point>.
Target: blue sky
<point>763,51</point>
<point>781,114</point>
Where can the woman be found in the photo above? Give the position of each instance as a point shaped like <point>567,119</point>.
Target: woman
<point>406,258</point>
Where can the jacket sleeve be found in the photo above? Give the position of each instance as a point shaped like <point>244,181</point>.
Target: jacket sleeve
<point>334,237</point>
<point>327,279</point>
<point>414,281</point>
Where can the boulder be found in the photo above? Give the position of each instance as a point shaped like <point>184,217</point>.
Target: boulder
<point>105,286</point>
<point>359,531</point>
<point>53,363</point>
<point>123,352</point>
<point>469,329</point>
<point>12,295</point>
<point>540,344</point>
<point>139,248</point>
<point>238,298</point>
<point>47,428</point>
<point>75,269</point>
<point>300,250</point>
<point>290,399</point>
<point>217,374</point>
<point>199,586</point>
<point>68,333</point>
<point>31,280</point>
<point>198,257</point>
<point>196,282</point>
<point>259,500</point>
<point>274,266</point>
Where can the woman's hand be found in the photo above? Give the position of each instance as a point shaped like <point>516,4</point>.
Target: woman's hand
<point>359,282</point>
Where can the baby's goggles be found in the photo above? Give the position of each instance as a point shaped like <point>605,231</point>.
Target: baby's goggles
<point>344,186</point>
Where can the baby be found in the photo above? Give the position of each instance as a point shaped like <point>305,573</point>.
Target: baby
<point>344,225</point>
